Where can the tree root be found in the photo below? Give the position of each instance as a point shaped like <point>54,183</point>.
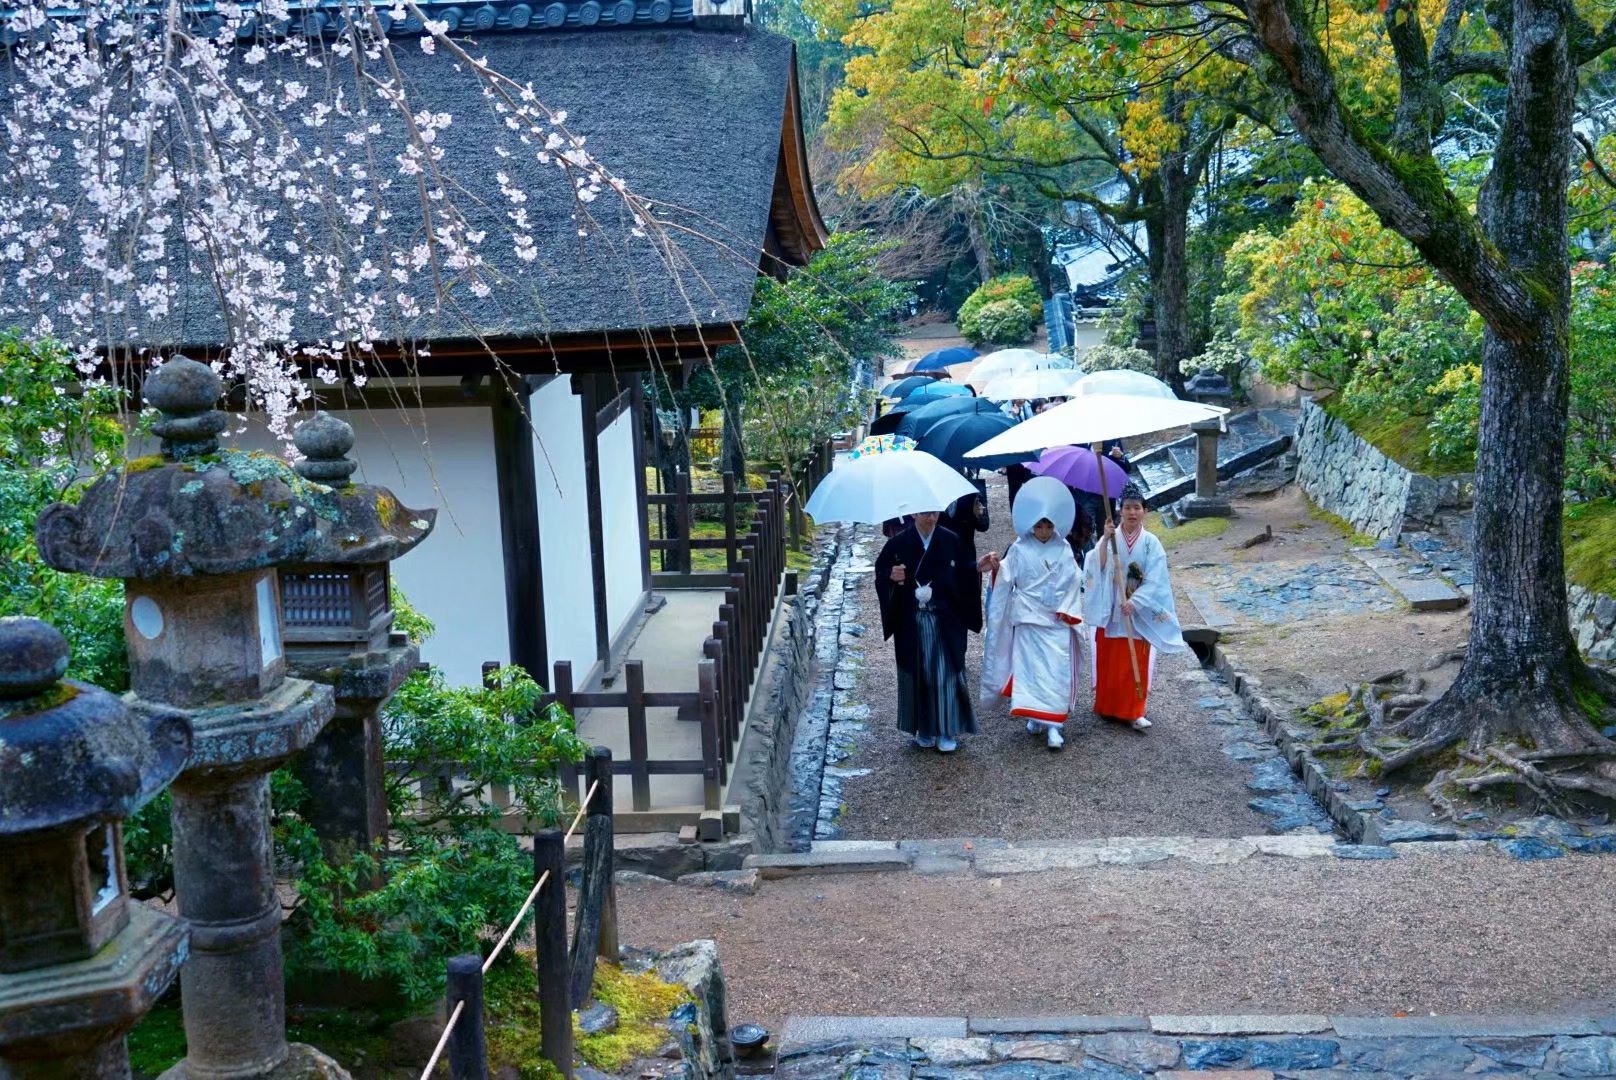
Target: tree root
<point>1405,756</point>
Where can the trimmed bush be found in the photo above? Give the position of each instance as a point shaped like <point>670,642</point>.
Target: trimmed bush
<point>1017,290</point>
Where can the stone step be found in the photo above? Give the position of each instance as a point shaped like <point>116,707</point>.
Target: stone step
<point>1425,592</point>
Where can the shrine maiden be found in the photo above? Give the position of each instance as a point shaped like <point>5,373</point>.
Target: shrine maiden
<point>1140,616</point>
<point>1031,649</point>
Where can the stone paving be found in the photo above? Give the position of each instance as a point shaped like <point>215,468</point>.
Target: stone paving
<point>1325,588</point>
<point>1252,1047</point>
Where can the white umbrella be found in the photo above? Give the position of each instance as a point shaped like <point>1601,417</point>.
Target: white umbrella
<point>1027,385</point>
<point>1094,418</point>
<point>1122,381</point>
<point>998,363</point>
<point>877,487</point>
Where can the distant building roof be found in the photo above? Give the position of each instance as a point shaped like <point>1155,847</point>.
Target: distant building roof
<point>702,122</point>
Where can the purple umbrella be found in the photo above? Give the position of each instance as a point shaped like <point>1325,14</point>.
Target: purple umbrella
<point>1079,468</point>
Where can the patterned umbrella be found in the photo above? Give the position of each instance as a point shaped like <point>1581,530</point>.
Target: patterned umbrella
<point>881,444</point>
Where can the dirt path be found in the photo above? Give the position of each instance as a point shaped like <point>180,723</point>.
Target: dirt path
<point>1458,934</point>
<point>1304,649</point>
<point>1002,782</point>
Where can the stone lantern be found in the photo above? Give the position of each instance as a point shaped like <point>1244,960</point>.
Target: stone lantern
<point>198,535</point>
<point>79,964</point>
<point>338,625</point>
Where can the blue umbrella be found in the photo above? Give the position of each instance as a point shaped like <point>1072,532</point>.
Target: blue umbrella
<point>950,437</point>
<point>935,391</point>
<point>917,419</point>
<point>942,358</point>
<point>904,386</point>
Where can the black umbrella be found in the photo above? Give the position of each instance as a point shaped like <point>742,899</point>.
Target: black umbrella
<point>917,421</point>
<point>949,438</point>
<point>887,423</point>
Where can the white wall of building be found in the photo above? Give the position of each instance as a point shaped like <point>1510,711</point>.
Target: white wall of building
<point>558,469</point>
<point>620,522</point>
<point>443,459</point>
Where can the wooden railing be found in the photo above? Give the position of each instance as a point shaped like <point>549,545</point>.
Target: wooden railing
<point>564,975</point>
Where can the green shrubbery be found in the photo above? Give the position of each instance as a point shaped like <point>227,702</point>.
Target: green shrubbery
<point>1108,357</point>
<point>1003,310</point>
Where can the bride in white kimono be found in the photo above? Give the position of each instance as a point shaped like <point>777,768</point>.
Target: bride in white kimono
<point>1031,647</point>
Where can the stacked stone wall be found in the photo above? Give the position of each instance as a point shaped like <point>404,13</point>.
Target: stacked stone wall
<point>1344,474</point>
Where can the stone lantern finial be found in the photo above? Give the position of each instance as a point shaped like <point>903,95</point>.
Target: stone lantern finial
<point>324,442</point>
<point>186,393</point>
<point>33,657</point>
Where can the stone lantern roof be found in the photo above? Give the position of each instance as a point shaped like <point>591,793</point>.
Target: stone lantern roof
<point>71,754</point>
<point>197,509</point>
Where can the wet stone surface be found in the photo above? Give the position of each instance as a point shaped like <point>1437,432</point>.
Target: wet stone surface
<point>1126,1055</point>
<point>1329,587</point>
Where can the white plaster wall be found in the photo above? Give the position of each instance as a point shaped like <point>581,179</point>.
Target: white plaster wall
<point>558,469</point>
<point>620,522</point>
<point>442,458</point>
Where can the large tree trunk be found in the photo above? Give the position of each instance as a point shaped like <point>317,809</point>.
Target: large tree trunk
<point>1523,680</point>
<point>1167,231</point>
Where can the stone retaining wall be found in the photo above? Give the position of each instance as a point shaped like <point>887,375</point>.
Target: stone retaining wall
<point>1593,621</point>
<point>1344,474</point>
<point>783,690</point>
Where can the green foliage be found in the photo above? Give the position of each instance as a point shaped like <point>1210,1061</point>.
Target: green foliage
<point>451,877</point>
<point>1591,432</point>
<point>998,322</point>
<point>1590,545</point>
<point>1003,310</point>
<point>1108,357</point>
<point>802,340</point>
<point>53,431</point>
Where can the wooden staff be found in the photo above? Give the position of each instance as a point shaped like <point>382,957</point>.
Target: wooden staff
<point>1116,564</point>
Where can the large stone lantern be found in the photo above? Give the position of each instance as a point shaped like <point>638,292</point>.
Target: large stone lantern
<point>197,536</point>
<point>337,615</point>
<point>79,963</point>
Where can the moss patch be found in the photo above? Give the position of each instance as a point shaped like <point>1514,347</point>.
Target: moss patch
<point>1353,537</point>
<point>1194,529</point>
<point>1590,545</point>
<point>643,1003</point>
<point>1405,439</point>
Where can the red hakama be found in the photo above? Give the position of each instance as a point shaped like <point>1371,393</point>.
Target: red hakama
<point>1115,696</point>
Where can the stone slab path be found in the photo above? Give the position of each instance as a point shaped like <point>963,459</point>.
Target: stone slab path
<point>1254,1047</point>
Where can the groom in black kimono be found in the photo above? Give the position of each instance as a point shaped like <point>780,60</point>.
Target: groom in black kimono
<point>925,583</point>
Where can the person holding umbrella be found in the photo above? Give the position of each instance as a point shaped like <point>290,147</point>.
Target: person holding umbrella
<point>926,586</point>
<point>1132,622</point>
<point>1030,654</point>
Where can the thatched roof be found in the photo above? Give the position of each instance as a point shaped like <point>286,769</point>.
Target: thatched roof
<point>700,122</point>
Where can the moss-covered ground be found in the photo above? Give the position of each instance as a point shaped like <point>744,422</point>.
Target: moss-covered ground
<point>1403,438</point>
<point>1590,545</point>
<point>1194,529</point>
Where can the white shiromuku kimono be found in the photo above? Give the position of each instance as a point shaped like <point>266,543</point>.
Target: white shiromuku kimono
<point>1030,652</point>
<point>1155,623</point>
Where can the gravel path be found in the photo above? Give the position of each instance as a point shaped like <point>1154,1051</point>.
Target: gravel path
<point>1455,934</point>
<point>1002,782</point>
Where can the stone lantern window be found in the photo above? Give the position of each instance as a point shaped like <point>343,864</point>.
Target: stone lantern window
<point>336,605</point>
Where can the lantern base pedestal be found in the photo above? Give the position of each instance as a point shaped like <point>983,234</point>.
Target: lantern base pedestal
<point>1196,506</point>
<point>303,1062</point>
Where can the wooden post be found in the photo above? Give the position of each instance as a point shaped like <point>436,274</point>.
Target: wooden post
<point>729,521</point>
<point>591,903</point>
<point>639,744</point>
<point>711,757</point>
<point>468,1049</point>
<point>713,650</point>
<point>550,930</point>
<point>681,513</point>
<point>599,776</point>
<point>562,688</point>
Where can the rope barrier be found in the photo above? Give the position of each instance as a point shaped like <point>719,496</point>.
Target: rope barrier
<point>443,1040</point>
<point>527,905</point>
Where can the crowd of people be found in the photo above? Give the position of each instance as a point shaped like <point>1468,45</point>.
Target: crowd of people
<point>1077,590</point>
